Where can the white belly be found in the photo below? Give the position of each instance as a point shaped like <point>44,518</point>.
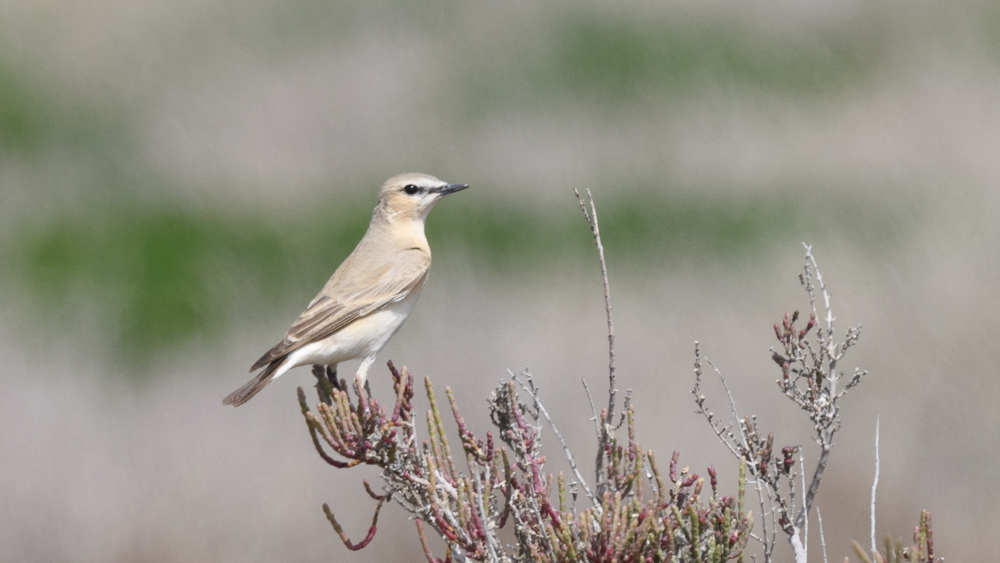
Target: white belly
<point>364,337</point>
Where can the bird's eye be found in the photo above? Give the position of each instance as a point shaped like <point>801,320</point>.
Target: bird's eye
<point>411,189</point>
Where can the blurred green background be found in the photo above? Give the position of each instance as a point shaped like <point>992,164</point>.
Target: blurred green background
<point>178,180</point>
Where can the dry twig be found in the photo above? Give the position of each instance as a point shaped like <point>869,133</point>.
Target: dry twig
<point>608,414</point>
<point>809,377</point>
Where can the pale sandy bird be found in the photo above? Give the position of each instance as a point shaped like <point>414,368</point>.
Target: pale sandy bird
<point>371,293</point>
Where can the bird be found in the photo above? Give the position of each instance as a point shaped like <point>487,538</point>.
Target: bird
<point>369,295</point>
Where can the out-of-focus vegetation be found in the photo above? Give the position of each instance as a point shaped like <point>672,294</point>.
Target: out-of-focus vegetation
<point>148,272</point>
<point>178,179</point>
<point>153,277</point>
<point>615,59</point>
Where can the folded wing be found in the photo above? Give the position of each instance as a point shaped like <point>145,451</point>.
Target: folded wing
<point>346,298</point>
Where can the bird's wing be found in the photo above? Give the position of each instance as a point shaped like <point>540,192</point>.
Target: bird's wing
<point>352,293</point>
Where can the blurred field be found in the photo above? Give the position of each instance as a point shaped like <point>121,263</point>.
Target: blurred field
<point>177,180</point>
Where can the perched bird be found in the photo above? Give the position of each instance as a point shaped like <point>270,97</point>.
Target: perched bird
<point>371,293</point>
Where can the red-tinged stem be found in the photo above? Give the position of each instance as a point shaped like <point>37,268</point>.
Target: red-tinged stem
<point>343,537</point>
<point>400,394</point>
<point>372,493</point>
<point>525,434</point>
<point>312,432</point>
<point>542,493</point>
<point>423,536</point>
<point>509,486</point>
<point>445,528</point>
<point>323,454</point>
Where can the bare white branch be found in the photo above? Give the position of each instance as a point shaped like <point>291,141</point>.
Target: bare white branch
<point>822,540</point>
<point>875,483</point>
<point>805,528</point>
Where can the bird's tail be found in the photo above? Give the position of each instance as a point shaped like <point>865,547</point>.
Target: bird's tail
<point>245,393</point>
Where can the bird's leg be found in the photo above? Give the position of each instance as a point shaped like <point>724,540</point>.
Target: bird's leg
<point>331,374</point>
<point>362,374</point>
<point>326,382</point>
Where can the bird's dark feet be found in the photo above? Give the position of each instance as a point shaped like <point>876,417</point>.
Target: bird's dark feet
<point>326,382</point>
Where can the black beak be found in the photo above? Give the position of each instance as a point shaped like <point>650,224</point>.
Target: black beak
<point>450,189</point>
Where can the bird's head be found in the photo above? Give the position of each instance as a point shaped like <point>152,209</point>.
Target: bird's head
<point>412,195</point>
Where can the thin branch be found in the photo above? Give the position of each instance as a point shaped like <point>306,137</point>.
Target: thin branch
<point>822,540</point>
<point>830,345</point>
<point>597,424</point>
<point>875,483</point>
<point>569,454</point>
<point>490,541</point>
<point>826,296</point>
<point>624,414</point>
<point>802,477</point>
<point>768,544</point>
<point>724,434</point>
<point>817,477</point>
<point>732,400</point>
<point>609,416</point>
<point>595,228</point>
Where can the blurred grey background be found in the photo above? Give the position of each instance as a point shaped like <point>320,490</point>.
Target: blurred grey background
<point>177,180</point>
